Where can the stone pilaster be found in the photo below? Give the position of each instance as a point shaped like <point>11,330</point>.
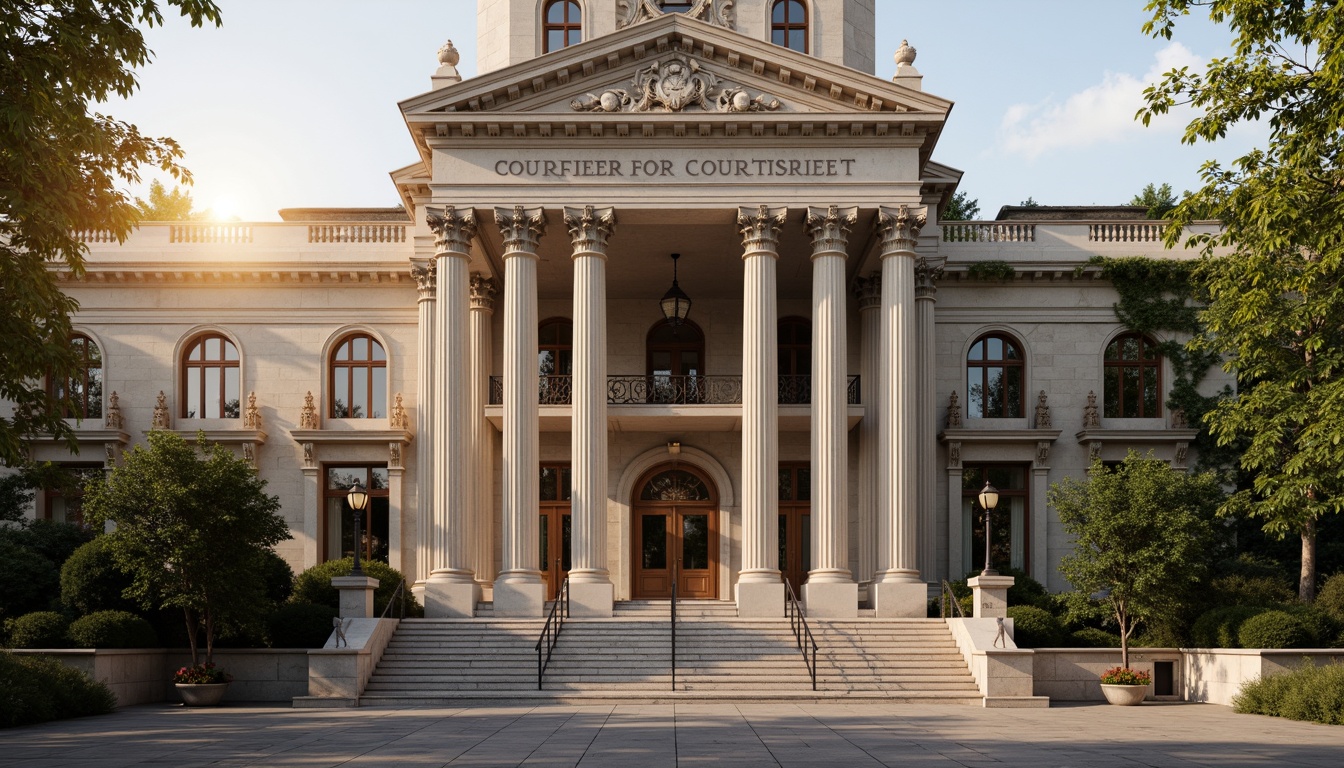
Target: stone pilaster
<point>898,588</point>
<point>482,291</point>
<point>830,590</point>
<point>591,590</point>
<point>868,292</point>
<point>760,592</point>
<point>519,590</point>
<point>426,283</point>
<point>927,272</point>
<point>451,589</point>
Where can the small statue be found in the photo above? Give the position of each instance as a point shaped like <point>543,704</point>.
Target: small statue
<point>340,627</point>
<point>953,412</point>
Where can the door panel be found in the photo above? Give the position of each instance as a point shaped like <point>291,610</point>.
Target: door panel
<point>554,550</point>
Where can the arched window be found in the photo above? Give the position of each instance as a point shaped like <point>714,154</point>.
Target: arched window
<point>555,361</point>
<point>210,387</point>
<point>795,361</point>
<point>788,24</point>
<point>676,357</point>
<point>82,393</point>
<point>1133,378</point>
<point>994,378</point>
<point>563,25</point>
<point>358,378</point>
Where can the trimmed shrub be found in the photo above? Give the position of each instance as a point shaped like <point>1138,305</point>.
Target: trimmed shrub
<point>1309,693</point>
<point>112,629</point>
<point>1034,627</point>
<point>1218,628</point>
<point>300,625</point>
<point>314,585</point>
<point>1330,598</point>
<point>1091,637</point>
<point>91,580</point>
<point>1322,628</point>
<point>30,579</point>
<point>1273,629</point>
<point>279,577</point>
<point>42,629</point>
<point>36,689</point>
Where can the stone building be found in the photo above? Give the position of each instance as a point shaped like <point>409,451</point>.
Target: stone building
<point>668,304</point>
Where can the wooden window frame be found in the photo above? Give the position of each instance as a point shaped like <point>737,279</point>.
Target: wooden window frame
<point>565,26</point>
<point>79,408</point>
<point>1150,370</point>
<point>785,27</point>
<point>349,366</point>
<point>984,364</point>
<point>211,366</point>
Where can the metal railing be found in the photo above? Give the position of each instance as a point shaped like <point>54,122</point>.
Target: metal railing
<point>674,634</point>
<point>550,632</point>
<point>798,623</point>
<point>949,596</point>
<point>399,599</point>
<point>672,390</point>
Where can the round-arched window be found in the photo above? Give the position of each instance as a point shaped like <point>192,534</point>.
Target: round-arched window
<point>358,382</point>
<point>994,378</point>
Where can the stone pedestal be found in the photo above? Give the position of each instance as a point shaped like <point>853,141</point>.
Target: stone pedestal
<point>831,600</point>
<point>450,599</point>
<point>520,600</point>
<point>356,595</point>
<point>760,600</point>
<point>899,599</point>
<point>591,600</point>
<point>991,596</point>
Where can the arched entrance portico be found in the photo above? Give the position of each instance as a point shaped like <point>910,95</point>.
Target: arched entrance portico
<point>675,534</point>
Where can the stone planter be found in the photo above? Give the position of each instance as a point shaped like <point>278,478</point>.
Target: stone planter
<point>201,694</point>
<point>1124,695</point>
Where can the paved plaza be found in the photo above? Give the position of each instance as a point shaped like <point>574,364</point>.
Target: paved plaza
<point>656,735</point>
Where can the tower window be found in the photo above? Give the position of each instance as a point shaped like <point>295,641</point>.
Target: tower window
<point>563,25</point>
<point>788,24</point>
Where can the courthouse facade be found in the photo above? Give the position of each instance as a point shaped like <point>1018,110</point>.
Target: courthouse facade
<point>668,305</point>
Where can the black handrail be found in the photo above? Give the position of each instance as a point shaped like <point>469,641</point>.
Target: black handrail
<point>396,599</point>
<point>798,623</point>
<point>555,619</point>
<point>949,596</point>
<point>674,634</point>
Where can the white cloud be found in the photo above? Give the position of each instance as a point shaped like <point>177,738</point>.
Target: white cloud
<point>1100,114</point>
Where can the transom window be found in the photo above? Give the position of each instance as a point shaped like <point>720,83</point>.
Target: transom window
<point>81,395</point>
<point>788,24</point>
<point>359,379</point>
<point>211,387</point>
<point>994,378</point>
<point>1133,378</point>
<point>563,26</point>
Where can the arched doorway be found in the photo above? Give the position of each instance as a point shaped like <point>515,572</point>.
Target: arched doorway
<point>675,534</point>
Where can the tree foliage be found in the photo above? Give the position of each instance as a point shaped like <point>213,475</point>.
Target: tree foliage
<point>1158,200</point>
<point>64,168</point>
<point>192,529</point>
<point>1143,535</point>
<point>165,205</point>
<point>961,208</point>
<point>1276,303</point>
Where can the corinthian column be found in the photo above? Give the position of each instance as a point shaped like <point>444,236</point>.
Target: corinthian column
<point>927,273</point>
<point>483,290</point>
<point>898,589</point>
<point>830,589</point>
<point>519,590</point>
<point>868,291</point>
<point>760,592</point>
<point>591,591</point>
<point>426,282</point>
<point>451,589</point>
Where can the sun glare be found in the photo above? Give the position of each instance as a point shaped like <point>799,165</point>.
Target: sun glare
<point>225,208</point>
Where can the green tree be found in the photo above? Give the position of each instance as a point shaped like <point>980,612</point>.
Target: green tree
<point>192,530</point>
<point>63,168</point>
<point>164,205</point>
<point>961,208</point>
<point>1143,536</point>
<point>1276,301</point>
<point>1030,202</point>
<point>1158,200</point>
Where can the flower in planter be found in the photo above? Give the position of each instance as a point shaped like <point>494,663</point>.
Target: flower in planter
<point>1125,676</point>
<point>201,674</point>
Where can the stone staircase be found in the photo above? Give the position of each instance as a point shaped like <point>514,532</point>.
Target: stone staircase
<point>627,658</point>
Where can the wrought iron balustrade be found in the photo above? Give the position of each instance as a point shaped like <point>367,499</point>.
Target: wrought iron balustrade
<point>671,390</point>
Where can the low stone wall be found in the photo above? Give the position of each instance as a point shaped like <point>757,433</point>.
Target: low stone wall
<point>144,675</point>
<point>1215,675</point>
<point>1073,674</point>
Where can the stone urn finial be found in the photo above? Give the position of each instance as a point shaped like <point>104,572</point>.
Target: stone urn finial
<point>447,71</point>
<point>905,55</point>
<point>449,55</point>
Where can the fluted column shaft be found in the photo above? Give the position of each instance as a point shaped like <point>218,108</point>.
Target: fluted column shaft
<point>868,291</point>
<point>926,295</point>
<point>829,229</point>
<point>426,282</point>
<point>522,229</point>
<point>897,429</point>
<point>760,395</point>
<point>453,230</point>
<point>483,290</point>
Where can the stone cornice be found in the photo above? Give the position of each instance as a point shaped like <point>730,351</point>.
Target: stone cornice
<point>998,435</point>
<point>1136,435</point>
<point>204,274</point>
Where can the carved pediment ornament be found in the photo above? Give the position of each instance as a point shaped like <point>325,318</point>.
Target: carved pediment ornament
<point>716,12</point>
<point>673,85</point>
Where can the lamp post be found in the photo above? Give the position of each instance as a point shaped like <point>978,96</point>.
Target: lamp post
<point>358,499</point>
<point>989,499</point>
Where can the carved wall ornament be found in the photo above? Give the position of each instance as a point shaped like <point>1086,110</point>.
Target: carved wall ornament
<point>394,455</point>
<point>716,12</point>
<point>1181,450</point>
<point>252,416</point>
<point>1042,411</point>
<point>399,419</point>
<point>114,419</point>
<point>109,455</point>
<point>483,290</point>
<point>1178,418</point>
<point>1091,418</point>
<point>250,454</point>
<point>740,100</point>
<point>160,418</point>
<point>308,416</point>
<point>954,455</point>
<point>309,461</point>
<point>1042,453</point>
<point>953,412</point>
<point>1094,450</point>
<point>673,85</point>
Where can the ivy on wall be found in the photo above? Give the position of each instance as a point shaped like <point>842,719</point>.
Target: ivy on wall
<point>992,269</point>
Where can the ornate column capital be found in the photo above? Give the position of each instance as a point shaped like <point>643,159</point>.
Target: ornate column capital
<point>521,228</point>
<point>760,228</point>
<point>453,230</point>
<point>868,291</point>
<point>483,290</point>
<point>928,271</point>
<point>829,228</point>
<point>590,228</point>
<point>899,228</point>
<point>426,276</point>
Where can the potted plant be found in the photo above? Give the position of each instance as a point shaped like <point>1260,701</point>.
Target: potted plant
<point>1125,687</point>
<point>201,685</point>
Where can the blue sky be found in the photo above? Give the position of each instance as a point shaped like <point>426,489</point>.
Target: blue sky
<point>294,104</point>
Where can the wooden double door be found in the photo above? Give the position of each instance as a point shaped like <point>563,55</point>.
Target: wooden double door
<point>675,535</point>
